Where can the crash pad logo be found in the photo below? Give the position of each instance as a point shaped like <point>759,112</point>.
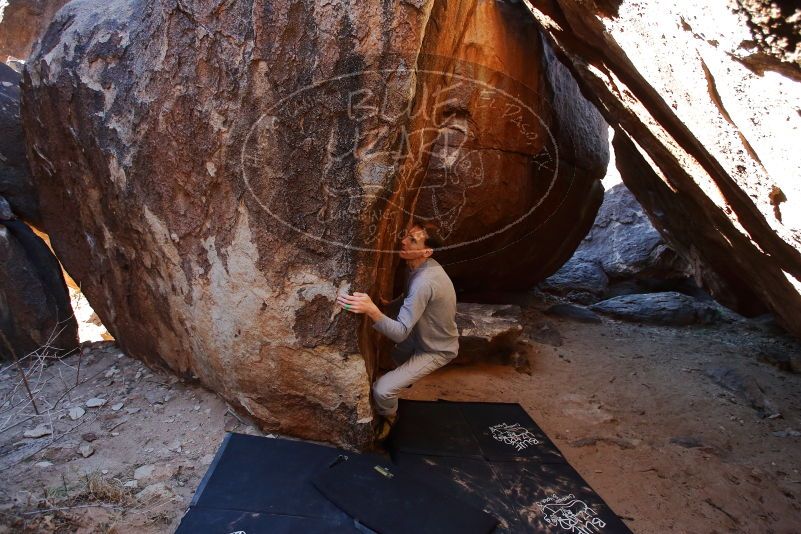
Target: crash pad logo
<point>347,160</point>
<point>515,435</point>
<point>570,514</point>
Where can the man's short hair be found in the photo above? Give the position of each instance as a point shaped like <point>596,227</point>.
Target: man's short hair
<point>433,239</point>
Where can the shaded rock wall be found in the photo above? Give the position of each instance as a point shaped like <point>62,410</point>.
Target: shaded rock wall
<point>35,311</point>
<point>16,183</point>
<point>704,140</point>
<point>22,22</point>
<point>622,253</point>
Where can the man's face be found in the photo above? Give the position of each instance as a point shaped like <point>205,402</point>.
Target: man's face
<point>413,244</point>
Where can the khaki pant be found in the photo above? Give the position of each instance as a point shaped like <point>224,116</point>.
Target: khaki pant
<point>412,367</point>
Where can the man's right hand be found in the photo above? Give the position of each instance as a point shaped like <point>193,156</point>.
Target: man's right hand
<point>360,303</point>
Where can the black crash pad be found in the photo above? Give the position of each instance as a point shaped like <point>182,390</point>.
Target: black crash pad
<point>434,428</point>
<point>495,457</point>
<point>526,496</point>
<point>494,431</point>
<point>506,432</point>
<point>214,521</point>
<point>256,474</point>
<point>265,483</point>
<point>388,500</point>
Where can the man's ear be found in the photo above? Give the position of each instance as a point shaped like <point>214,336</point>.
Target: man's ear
<point>428,252</point>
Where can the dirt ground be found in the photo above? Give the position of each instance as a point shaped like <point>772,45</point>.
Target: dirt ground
<point>664,423</point>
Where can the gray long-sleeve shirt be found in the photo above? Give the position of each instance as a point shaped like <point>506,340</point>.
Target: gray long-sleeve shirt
<point>428,313</point>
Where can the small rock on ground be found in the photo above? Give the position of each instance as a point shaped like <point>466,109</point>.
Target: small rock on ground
<point>38,432</point>
<point>95,402</point>
<point>571,311</point>
<point>86,450</point>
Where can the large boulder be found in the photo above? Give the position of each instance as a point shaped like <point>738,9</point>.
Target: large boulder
<point>22,22</point>
<point>35,311</point>
<point>16,183</point>
<point>625,243</point>
<point>228,168</point>
<point>623,253</point>
<point>704,101</point>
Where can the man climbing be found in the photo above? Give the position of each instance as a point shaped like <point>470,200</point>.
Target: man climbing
<point>425,328</point>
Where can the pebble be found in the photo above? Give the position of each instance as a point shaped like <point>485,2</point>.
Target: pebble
<point>144,471</point>
<point>116,407</point>
<point>43,464</point>
<point>131,484</point>
<point>38,432</point>
<point>95,402</point>
<point>111,372</point>
<point>789,433</point>
<point>86,450</point>
<point>76,412</point>
<point>89,436</point>
<point>157,490</point>
<point>133,410</point>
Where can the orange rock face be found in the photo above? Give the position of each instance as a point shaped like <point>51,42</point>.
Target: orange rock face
<point>505,153</point>
<point>22,23</point>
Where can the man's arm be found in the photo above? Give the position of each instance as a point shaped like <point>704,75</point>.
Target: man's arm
<point>413,307</point>
<point>396,330</point>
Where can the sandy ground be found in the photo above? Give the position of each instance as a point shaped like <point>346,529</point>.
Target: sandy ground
<point>633,408</point>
